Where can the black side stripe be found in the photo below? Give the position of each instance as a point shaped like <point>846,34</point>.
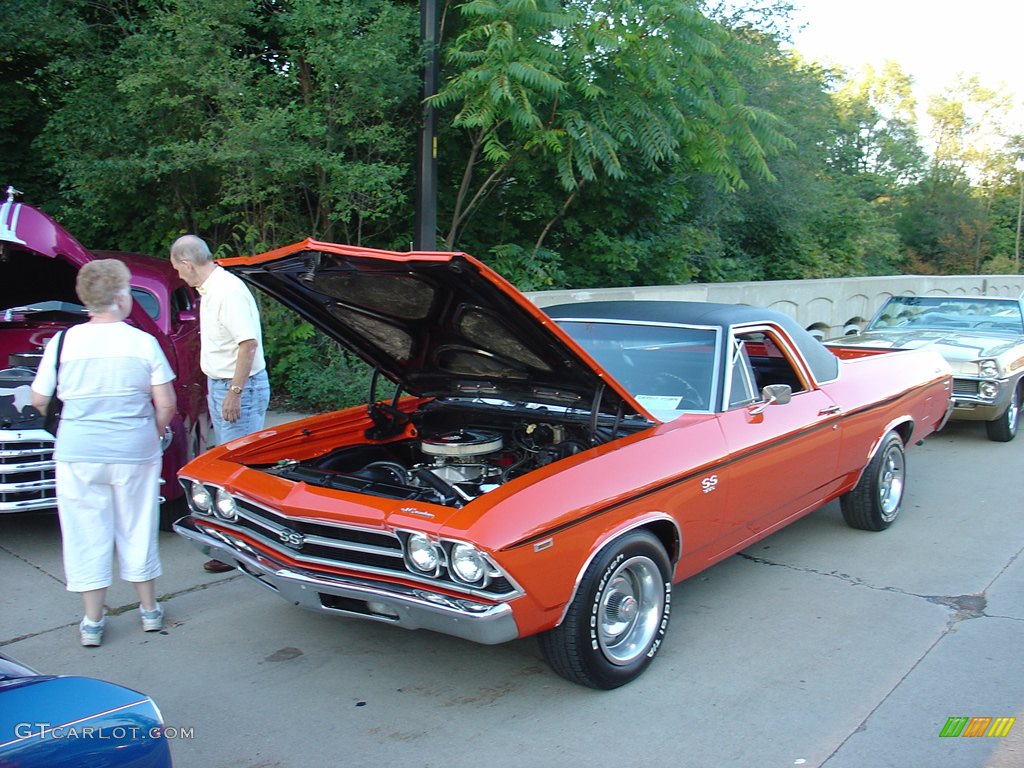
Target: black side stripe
<point>735,458</point>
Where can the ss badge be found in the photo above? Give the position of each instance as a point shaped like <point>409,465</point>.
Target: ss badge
<point>291,538</point>
<point>709,483</point>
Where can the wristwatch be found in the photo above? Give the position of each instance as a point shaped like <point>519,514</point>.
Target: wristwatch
<point>236,389</point>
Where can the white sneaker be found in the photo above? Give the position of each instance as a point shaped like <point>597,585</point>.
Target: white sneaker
<point>152,621</point>
<point>91,634</point>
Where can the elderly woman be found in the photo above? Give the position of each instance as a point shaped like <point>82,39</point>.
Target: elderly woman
<point>118,398</point>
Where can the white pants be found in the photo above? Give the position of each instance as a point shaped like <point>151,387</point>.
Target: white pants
<point>103,505</point>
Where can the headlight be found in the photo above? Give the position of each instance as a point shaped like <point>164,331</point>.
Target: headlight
<point>468,563</point>
<point>423,554</point>
<point>988,369</point>
<point>224,505</point>
<point>202,501</point>
<point>988,390</point>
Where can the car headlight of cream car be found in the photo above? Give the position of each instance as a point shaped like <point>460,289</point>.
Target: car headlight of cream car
<point>988,369</point>
<point>988,390</point>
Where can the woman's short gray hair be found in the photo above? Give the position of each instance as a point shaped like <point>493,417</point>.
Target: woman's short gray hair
<point>100,282</point>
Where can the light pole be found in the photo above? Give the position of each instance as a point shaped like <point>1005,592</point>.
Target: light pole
<point>425,234</point>
<point>1019,165</point>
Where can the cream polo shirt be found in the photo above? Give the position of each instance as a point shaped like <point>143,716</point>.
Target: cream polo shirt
<point>227,317</point>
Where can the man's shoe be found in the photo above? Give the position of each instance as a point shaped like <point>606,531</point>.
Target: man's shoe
<point>91,634</point>
<point>216,566</point>
<point>152,621</point>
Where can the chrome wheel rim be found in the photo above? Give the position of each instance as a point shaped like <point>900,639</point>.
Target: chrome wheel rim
<point>629,610</point>
<point>890,483</point>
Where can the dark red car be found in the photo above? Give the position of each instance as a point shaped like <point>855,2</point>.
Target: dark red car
<point>39,262</point>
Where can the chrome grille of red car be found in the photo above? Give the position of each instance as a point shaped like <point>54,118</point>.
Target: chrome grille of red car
<point>26,474</point>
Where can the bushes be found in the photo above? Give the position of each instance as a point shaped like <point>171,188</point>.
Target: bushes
<point>308,370</point>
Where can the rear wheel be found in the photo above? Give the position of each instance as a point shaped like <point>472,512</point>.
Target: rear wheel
<point>874,503</point>
<point>1004,429</point>
<point>618,619</point>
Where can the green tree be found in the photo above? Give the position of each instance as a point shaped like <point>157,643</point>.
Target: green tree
<point>587,90</point>
<point>947,224</point>
<point>252,123</point>
<point>878,141</point>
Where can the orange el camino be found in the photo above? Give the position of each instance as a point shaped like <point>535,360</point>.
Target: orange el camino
<point>551,473</point>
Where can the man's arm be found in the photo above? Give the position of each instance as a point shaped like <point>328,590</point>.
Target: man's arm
<point>232,407</point>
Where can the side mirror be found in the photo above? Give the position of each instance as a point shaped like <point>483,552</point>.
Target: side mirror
<point>773,394</point>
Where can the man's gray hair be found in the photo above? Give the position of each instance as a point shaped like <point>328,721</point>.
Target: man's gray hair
<point>191,248</point>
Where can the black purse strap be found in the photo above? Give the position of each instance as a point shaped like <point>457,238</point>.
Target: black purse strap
<point>60,346</point>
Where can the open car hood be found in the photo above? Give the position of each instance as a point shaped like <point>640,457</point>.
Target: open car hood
<point>24,229</point>
<point>440,324</point>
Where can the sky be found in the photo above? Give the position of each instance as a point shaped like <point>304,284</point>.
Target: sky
<point>933,40</point>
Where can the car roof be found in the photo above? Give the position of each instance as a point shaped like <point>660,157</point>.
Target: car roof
<point>823,363</point>
<point>677,312</point>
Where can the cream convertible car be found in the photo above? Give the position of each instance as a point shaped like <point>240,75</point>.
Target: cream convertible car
<point>982,338</point>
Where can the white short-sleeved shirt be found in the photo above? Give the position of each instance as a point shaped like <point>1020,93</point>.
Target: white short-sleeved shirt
<point>227,317</point>
<point>107,372</point>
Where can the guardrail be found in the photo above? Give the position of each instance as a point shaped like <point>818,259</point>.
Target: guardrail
<point>827,308</point>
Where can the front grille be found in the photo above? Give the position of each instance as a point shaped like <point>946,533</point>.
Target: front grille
<point>27,475</point>
<point>359,549</point>
<point>259,518</point>
<point>965,387</point>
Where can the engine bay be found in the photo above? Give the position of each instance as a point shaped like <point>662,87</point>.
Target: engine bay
<point>452,460</point>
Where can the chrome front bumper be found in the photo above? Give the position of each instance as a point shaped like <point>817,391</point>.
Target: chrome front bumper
<point>408,607</point>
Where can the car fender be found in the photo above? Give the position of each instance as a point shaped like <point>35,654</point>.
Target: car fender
<point>902,426</point>
<point>612,535</point>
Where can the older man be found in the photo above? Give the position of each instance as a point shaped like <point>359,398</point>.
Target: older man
<point>231,354</point>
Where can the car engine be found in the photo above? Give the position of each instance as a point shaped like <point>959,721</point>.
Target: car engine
<point>450,467</point>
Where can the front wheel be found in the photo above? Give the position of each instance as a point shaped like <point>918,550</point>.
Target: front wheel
<point>1004,429</point>
<point>874,503</point>
<point>618,618</point>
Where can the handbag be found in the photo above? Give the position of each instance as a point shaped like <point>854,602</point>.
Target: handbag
<point>53,409</point>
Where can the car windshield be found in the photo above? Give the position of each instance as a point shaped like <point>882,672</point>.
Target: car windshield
<point>668,369</point>
<point>944,312</point>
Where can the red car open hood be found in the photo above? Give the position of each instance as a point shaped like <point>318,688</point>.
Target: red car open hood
<point>22,226</point>
<point>441,324</point>
<point>27,229</point>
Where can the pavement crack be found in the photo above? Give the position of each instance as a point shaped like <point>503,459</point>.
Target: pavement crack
<point>33,565</point>
<point>119,610</point>
<point>964,607</point>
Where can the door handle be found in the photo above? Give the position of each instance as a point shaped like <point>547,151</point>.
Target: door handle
<point>830,410</point>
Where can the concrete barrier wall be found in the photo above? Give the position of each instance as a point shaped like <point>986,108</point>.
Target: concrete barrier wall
<point>825,307</point>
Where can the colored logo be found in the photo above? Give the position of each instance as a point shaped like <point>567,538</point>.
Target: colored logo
<point>976,727</point>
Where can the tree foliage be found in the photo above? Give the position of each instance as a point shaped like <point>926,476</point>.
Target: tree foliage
<point>589,92</point>
<point>581,143</point>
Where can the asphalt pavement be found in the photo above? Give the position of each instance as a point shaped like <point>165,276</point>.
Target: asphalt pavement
<point>820,646</point>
